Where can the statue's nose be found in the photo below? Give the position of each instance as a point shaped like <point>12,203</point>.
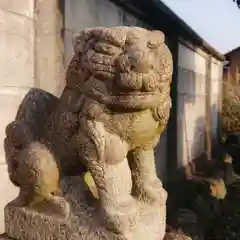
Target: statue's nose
<point>142,66</point>
<point>140,61</point>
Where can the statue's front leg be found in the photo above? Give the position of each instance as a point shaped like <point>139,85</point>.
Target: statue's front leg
<point>105,158</point>
<point>147,187</point>
<point>119,208</point>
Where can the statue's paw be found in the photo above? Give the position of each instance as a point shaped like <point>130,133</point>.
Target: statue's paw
<point>122,218</point>
<point>152,192</point>
<point>54,206</point>
<point>59,206</point>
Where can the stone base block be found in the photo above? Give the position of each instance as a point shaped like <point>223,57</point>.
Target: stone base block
<point>82,224</point>
<point>4,237</point>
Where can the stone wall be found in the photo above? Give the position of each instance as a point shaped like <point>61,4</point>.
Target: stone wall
<point>16,74</point>
<point>49,46</point>
<point>31,56</point>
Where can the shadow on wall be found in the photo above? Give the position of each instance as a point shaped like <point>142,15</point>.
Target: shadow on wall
<point>190,149</point>
<point>195,148</point>
<point>191,105</point>
<point>216,132</point>
<point>200,162</point>
<point>181,194</point>
<point>178,191</point>
<point>183,94</point>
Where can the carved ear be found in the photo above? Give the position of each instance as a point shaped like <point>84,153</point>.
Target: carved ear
<point>157,38</point>
<point>80,39</point>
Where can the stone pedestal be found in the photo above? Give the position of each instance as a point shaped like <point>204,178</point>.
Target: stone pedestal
<point>83,222</point>
<point>4,237</point>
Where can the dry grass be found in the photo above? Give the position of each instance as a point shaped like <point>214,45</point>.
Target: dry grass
<point>231,108</point>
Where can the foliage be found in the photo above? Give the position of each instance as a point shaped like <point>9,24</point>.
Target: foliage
<point>237,2</point>
<point>231,108</point>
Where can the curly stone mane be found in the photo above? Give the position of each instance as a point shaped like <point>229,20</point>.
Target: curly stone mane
<point>121,67</point>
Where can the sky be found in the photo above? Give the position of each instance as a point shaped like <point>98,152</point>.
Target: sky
<point>216,21</point>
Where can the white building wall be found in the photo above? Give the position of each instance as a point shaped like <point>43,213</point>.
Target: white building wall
<point>216,96</point>
<point>190,104</point>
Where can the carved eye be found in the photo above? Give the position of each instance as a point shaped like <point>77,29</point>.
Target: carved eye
<point>17,145</point>
<point>151,45</point>
<point>106,48</point>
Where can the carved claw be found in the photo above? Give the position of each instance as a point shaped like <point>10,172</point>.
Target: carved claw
<point>55,205</point>
<point>150,192</point>
<point>59,206</point>
<point>122,219</point>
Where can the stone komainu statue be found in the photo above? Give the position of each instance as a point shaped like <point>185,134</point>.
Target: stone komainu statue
<point>109,118</point>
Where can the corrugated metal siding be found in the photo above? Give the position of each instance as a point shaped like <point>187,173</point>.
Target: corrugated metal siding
<point>92,13</point>
<point>191,106</point>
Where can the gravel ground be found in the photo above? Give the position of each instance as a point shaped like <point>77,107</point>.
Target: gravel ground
<point>226,226</point>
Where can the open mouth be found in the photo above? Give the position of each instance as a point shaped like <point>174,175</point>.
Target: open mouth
<point>104,65</point>
<point>131,100</point>
<point>105,71</point>
<point>138,94</point>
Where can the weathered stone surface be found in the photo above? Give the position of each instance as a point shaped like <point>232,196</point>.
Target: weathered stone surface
<point>8,193</point>
<point>109,118</point>
<point>83,222</point>
<point>4,237</point>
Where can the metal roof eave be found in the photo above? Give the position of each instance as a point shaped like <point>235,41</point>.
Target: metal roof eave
<point>141,9</point>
